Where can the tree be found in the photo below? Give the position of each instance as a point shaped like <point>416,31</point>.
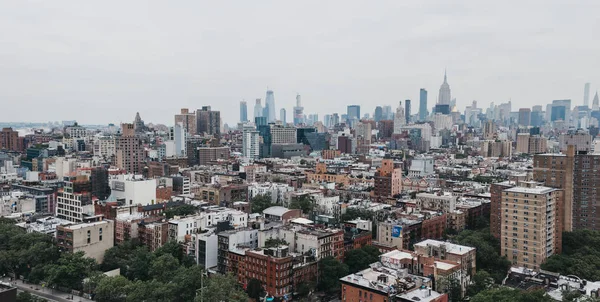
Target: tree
<point>480,282</point>
<point>304,289</point>
<point>331,271</point>
<point>260,202</point>
<point>254,289</point>
<point>70,270</point>
<point>112,289</point>
<point>222,288</point>
<point>183,210</point>
<point>274,242</point>
<point>163,268</point>
<point>511,295</point>
<point>151,291</point>
<point>359,259</point>
<point>487,246</point>
<point>580,255</point>
<point>451,286</point>
<point>304,203</point>
<point>27,297</point>
<point>187,281</point>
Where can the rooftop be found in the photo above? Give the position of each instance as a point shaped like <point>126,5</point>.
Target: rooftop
<point>275,211</point>
<point>450,247</point>
<point>86,225</point>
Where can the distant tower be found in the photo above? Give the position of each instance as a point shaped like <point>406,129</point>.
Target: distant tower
<point>378,116</point>
<point>243,111</point>
<point>282,116</point>
<point>596,103</point>
<point>298,111</point>
<point>586,95</point>
<point>399,118</point>
<point>270,106</point>
<point>407,111</point>
<point>423,105</point>
<point>258,109</point>
<point>445,96</point>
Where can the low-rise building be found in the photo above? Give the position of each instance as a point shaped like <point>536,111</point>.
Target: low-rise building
<point>92,238</point>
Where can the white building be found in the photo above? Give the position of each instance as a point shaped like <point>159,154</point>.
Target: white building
<point>105,147</point>
<point>276,190</point>
<point>133,189</point>
<point>177,135</point>
<point>421,166</point>
<point>399,119</point>
<point>431,201</point>
<point>442,121</point>
<point>250,143</point>
<point>204,247</point>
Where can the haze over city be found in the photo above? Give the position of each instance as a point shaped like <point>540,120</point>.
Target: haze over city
<point>102,62</point>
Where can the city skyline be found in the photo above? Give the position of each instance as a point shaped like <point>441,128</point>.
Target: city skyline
<point>164,57</point>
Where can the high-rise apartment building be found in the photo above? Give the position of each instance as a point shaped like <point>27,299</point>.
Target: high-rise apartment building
<point>208,121</point>
<point>177,136</point>
<point>423,105</point>
<point>444,97</point>
<point>243,111</point>
<point>407,111</point>
<point>581,139</point>
<point>575,173</point>
<point>129,150</point>
<point>250,143</point>
<point>188,120</point>
<point>596,102</point>
<point>388,179</point>
<point>496,199</point>
<point>270,106</point>
<point>9,139</point>
<point>531,226</point>
<point>489,130</point>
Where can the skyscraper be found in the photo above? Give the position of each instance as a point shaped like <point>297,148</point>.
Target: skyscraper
<point>423,104</point>
<point>243,111</point>
<point>586,94</point>
<point>378,116</point>
<point>596,103</point>
<point>258,109</point>
<point>399,118</point>
<point>282,116</point>
<point>524,117</point>
<point>353,113</point>
<point>445,96</point>
<point>298,111</point>
<point>208,121</point>
<point>407,111</point>
<point>270,106</point>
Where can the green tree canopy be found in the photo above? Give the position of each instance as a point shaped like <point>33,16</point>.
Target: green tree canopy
<point>511,295</point>
<point>223,288</point>
<point>359,259</point>
<point>112,289</point>
<point>304,203</point>
<point>488,248</point>
<point>70,270</point>
<point>182,210</point>
<point>260,202</point>
<point>254,289</point>
<point>274,242</point>
<point>580,255</point>
<point>331,271</point>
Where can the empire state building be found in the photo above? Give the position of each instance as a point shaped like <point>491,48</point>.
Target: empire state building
<point>444,98</point>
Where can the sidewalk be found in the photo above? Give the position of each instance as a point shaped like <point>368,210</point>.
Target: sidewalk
<point>46,293</point>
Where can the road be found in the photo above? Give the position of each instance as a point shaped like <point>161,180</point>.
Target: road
<point>46,293</point>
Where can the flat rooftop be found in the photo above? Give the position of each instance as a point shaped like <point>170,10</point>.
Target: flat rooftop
<point>450,247</point>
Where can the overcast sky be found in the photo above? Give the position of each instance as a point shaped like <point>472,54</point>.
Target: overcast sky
<point>101,62</point>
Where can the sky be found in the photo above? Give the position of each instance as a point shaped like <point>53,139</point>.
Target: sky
<point>102,62</point>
